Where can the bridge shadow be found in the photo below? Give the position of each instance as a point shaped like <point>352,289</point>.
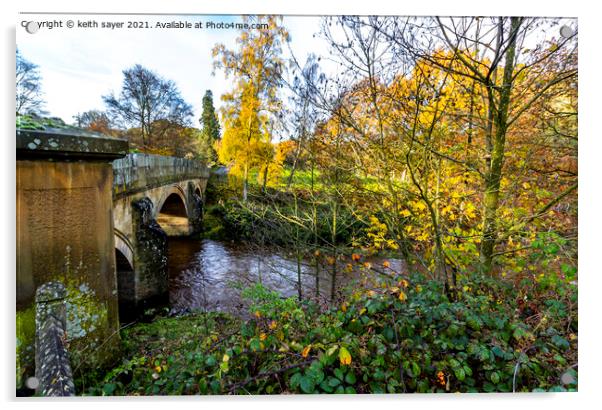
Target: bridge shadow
<point>173,216</point>
<point>125,288</point>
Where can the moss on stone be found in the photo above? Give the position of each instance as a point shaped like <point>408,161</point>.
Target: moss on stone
<point>88,327</point>
<point>25,351</point>
<point>34,122</point>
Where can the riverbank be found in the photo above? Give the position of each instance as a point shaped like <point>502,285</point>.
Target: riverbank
<point>399,335</point>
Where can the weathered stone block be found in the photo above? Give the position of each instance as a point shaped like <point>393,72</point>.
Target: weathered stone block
<point>150,257</point>
<point>195,209</point>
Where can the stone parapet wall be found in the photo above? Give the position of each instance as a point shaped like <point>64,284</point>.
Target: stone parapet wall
<point>139,172</point>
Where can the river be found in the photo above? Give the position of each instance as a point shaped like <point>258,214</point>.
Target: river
<point>209,275</point>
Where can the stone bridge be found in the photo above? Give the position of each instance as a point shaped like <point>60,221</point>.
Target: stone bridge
<point>153,196</point>
<point>96,219</point>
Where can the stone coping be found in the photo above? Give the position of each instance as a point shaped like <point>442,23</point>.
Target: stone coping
<point>68,144</point>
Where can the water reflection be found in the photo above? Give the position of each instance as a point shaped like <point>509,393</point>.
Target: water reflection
<point>209,275</point>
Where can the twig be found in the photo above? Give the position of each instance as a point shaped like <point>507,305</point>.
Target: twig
<point>514,377</point>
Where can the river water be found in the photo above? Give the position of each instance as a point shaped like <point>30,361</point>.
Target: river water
<point>209,275</point>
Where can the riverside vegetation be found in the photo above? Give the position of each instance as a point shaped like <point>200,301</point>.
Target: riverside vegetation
<point>385,332</point>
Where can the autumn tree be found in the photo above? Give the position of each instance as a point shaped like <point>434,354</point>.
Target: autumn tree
<point>384,110</point>
<point>95,120</point>
<point>431,132</point>
<point>251,108</point>
<point>28,86</point>
<point>491,54</point>
<point>176,140</point>
<point>148,102</point>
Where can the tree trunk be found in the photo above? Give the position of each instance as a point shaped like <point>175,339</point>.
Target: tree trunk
<point>245,184</point>
<point>265,178</point>
<point>316,260</point>
<point>299,272</point>
<point>493,175</point>
<point>294,167</point>
<point>298,253</point>
<point>333,239</point>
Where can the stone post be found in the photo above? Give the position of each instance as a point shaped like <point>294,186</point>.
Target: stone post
<point>53,370</point>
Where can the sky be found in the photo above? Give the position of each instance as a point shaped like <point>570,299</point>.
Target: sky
<point>79,65</point>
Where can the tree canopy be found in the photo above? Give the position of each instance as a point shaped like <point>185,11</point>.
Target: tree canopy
<point>149,102</point>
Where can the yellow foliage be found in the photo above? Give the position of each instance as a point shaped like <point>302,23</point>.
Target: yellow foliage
<point>344,356</point>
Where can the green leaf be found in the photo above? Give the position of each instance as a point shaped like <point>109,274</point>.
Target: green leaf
<point>350,390</point>
<point>325,387</point>
<point>460,373</point>
<point>215,386</point>
<point>560,342</point>
<point>333,382</point>
<point>350,378</point>
<point>497,351</point>
<point>255,344</point>
<point>389,334</point>
<point>488,387</point>
<point>474,323</point>
<point>211,361</point>
<point>495,377</point>
<point>415,369</point>
<point>484,354</point>
<point>295,380</point>
<point>339,373</point>
<point>203,386</point>
<point>108,389</point>
<point>316,374</point>
<point>376,388</point>
<point>307,384</point>
<point>379,374</point>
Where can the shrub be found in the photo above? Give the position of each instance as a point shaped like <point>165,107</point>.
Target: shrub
<point>401,335</point>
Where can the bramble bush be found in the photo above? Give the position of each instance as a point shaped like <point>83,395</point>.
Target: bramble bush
<point>399,335</point>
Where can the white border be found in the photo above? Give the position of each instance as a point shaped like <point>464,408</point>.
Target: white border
<point>590,181</point>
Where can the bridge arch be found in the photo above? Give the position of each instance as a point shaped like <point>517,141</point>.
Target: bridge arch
<point>172,212</point>
<point>126,277</point>
<point>123,245</point>
<point>169,201</point>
